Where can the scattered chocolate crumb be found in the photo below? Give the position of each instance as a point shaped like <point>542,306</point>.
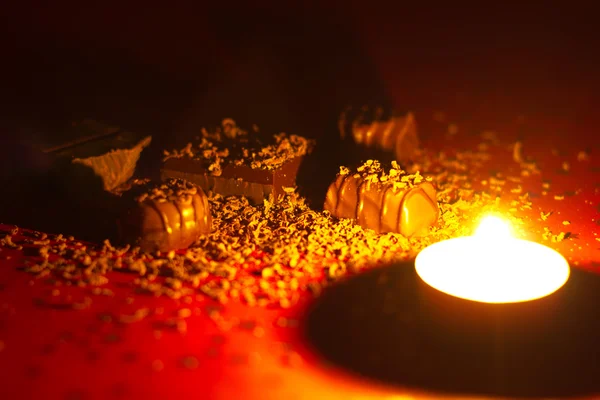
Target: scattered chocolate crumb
<point>7,241</point>
<point>75,394</point>
<point>33,371</point>
<point>268,254</point>
<point>218,339</point>
<point>104,317</point>
<point>284,322</point>
<point>184,313</point>
<point>130,357</point>
<point>248,325</point>
<point>112,338</point>
<point>119,390</point>
<point>238,359</point>
<point>46,349</point>
<point>548,235</point>
<point>86,303</point>
<point>583,156</point>
<point>292,359</point>
<point>259,331</point>
<point>254,358</point>
<point>175,189</point>
<point>190,362</point>
<point>92,356</point>
<point>138,315</point>
<point>65,337</point>
<point>157,365</point>
<point>181,326</point>
<point>213,352</point>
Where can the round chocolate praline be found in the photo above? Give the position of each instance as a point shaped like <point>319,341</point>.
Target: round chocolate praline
<point>163,216</point>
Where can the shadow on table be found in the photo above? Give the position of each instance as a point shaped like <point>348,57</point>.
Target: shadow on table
<point>371,326</point>
<point>57,201</point>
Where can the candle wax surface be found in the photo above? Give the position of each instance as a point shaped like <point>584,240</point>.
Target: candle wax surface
<point>492,268</point>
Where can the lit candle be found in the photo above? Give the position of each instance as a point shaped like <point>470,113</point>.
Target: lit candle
<point>492,266</point>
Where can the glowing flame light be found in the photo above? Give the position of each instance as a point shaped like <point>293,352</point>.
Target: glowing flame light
<point>493,228</point>
<point>492,266</point>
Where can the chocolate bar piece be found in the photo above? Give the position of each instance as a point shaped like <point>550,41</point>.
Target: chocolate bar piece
<point>109,152</point>
<point>165,216</point>
<point>233,162</point>
<point>384,202</point>
<point>371,129</point>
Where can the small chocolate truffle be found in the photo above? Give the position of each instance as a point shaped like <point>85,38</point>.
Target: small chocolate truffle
<point>165,216</point>
<point>384,202</point>
<point>396,134</point>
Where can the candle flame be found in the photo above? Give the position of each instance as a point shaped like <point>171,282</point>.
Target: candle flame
<point>493,228</point>
<point>492,266</point>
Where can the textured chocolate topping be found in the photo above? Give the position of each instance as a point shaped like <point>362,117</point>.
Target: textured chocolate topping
<point>396,134</point>
<point>232,145</point>
<point>384,202</point>
<point>232,162</point>
<point>163,217</point>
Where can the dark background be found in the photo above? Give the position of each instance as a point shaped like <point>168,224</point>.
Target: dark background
<point>170,70</point>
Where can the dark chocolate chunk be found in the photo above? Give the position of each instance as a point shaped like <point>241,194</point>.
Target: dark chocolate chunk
<point>69,193</point>
<point>232,162</point>
<point>77,134</point>
<point>372,128</point>
<point>392,202</point>
<point>165,216</point>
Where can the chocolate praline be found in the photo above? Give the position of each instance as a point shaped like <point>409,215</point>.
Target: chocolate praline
<point>394,202</point>
<point>163,216</point>
<point>379,133</point>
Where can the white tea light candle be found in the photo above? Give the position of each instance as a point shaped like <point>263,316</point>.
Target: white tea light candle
<point>492,266</point>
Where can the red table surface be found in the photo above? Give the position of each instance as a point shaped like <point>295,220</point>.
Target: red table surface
<point>56,344</point>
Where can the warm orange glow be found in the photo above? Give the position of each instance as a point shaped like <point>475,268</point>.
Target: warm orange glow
<point>492,266</point>
<point>493,228</point>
